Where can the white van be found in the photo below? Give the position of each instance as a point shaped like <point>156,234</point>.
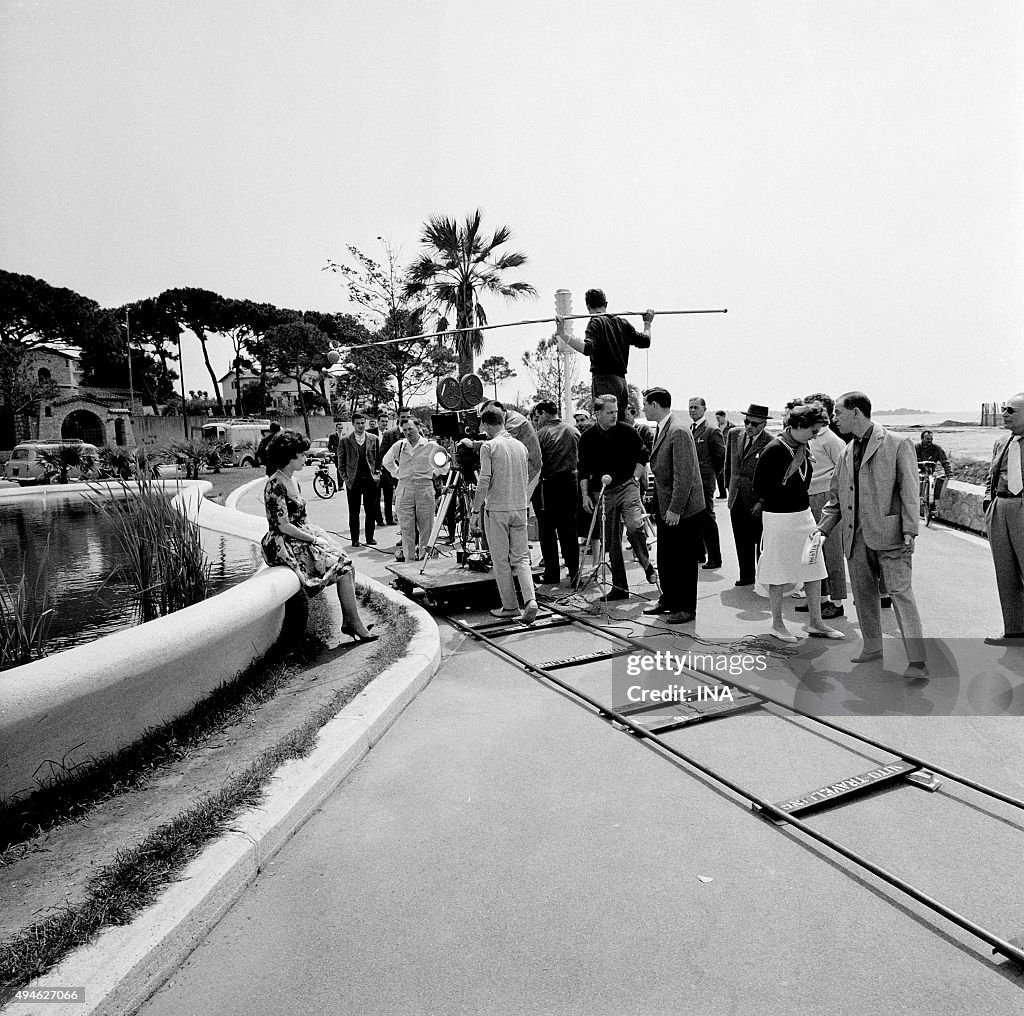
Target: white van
<point>243,435</point>
<point>26,466</point>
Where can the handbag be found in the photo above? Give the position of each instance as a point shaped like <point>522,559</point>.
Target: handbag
<point>812,547</point>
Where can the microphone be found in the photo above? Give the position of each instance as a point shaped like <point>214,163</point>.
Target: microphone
<point>605,480</point>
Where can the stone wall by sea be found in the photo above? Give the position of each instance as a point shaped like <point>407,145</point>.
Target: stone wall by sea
<point>961,506</point>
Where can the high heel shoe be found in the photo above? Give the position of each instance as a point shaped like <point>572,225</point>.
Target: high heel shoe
<point>347,629</point>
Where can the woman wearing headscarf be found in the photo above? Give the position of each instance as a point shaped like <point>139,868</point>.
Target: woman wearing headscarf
<point>781,482</point>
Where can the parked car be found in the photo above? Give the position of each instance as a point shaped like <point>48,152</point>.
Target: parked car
<point>26,465</point>
<point>236,440</point>
<point>318,451</point>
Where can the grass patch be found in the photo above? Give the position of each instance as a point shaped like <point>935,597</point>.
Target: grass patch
<point>136,875</point>
<point>25,614</point>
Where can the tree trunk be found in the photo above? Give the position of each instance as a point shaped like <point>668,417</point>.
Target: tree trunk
<point>302,401</point>
<point>201,335</point>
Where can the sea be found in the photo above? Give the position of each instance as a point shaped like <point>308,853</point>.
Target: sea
<point>966,441</point>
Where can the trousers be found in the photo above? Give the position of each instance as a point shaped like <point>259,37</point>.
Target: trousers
<point>415,509</point>
<point>510,555</point>
<point>1006,538</point>
<point>867,567</point>
<point>623,508</point>
<point>834,586</point>
<point>558,525</point>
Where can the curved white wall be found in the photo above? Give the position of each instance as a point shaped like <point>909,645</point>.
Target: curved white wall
<point>98,698</point>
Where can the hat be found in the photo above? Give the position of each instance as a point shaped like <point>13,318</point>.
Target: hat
<point>758,412</point>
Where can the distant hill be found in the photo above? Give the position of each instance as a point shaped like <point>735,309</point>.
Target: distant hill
<point>901,412</point>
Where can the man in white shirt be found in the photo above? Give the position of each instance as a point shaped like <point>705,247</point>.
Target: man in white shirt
<point>1004,514</point>
<point>411,460</point>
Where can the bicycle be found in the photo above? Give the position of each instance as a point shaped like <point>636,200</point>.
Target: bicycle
<point>926,470</point>
<point>323,483</point>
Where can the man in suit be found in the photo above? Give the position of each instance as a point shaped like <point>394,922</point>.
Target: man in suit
<point>678,506</point>
<point>359,466</point>
<point>875,497</point>
<point>710,445</point>
<point>742,455</point>
<point>1004,514</point>
<point>722,421</point>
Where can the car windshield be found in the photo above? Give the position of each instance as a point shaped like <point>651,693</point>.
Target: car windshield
<point>21,453</point>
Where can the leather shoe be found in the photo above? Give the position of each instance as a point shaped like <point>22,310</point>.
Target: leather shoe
<point>867,657</point>
<point>885,601</point>
<point>652,574</point>
<point>682,617</point>
<point>743,582</point>
<point>370,543</point>
<point>1011,638</point>
<point>614,594</point>
<point>659,608</point>
<point>916,673</point>
<point>831,610</point>
<point>712,565</point>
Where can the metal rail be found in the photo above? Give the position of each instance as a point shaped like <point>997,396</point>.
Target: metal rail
<point>965,781</point>
<point>999,944</point>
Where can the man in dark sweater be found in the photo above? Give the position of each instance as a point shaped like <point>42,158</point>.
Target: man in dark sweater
<point>606,342</point>
<point>559,444</point>
<point>615,450</point>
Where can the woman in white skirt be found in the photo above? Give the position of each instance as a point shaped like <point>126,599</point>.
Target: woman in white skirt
<point>781,480</point>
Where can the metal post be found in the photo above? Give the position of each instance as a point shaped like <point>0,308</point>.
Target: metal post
<point>563,307</point>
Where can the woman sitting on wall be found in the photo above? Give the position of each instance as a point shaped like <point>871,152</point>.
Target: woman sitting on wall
<point>297,544</point>
<point>781,481</point>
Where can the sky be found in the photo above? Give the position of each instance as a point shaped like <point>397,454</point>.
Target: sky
<point>845,177</point>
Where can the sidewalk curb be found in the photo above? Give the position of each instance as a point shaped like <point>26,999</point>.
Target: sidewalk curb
<point>126,965</point>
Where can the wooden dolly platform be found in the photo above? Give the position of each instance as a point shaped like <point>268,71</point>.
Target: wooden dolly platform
<point>446,585</point>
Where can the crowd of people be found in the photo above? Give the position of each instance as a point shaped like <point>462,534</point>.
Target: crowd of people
<point>832,492</point>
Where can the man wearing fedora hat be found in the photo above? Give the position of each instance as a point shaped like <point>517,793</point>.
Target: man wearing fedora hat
<point>742,455</point>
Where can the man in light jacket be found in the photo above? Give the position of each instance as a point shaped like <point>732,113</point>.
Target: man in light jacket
<point>875,497</point>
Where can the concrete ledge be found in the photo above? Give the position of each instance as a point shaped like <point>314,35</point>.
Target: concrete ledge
<point>961,506</point>
<point>127,965</point>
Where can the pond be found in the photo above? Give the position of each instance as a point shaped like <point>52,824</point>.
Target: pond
<point>88,599</point>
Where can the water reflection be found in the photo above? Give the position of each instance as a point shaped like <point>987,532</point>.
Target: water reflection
<point>88,599</point>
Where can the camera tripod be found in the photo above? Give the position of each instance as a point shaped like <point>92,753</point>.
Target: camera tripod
<point>457,496</point>
<point>602,570</point>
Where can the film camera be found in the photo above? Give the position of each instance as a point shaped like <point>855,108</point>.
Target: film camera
<point>454,426</point>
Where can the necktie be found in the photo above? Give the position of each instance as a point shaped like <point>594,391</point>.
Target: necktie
<point>1014,482</point>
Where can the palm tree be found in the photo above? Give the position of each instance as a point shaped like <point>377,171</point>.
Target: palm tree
<point>458,263</point>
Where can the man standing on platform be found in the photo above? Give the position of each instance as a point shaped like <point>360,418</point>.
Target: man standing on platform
<point>501,496</point>
<point>606,341</point>
<point>559,446</point>
<point>1004,515</point>
<point>678,504</point>
<point>742,455</point>
<point>710,444</point>
<point>411,460</point>
<point>359,468</point>
<point>875,496</point>
<point>615,450</point>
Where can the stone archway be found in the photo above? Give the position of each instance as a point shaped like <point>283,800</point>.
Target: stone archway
<point>84,425</point>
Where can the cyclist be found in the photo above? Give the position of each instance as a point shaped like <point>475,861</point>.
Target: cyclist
<point>928,451</point>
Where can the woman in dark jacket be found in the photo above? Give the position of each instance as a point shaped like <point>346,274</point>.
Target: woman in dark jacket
<point>781,480</point>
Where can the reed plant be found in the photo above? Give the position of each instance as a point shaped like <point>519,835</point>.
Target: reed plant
<point>25,614</point>
<point>162,550</point>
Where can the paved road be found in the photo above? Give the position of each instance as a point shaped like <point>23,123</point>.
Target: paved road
<point>503,850</point>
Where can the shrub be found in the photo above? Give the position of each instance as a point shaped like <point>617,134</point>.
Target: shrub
<point>25,615</point>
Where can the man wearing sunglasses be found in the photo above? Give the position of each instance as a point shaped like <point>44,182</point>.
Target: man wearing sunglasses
<point>742,455</point>
<point>1004,514</point>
